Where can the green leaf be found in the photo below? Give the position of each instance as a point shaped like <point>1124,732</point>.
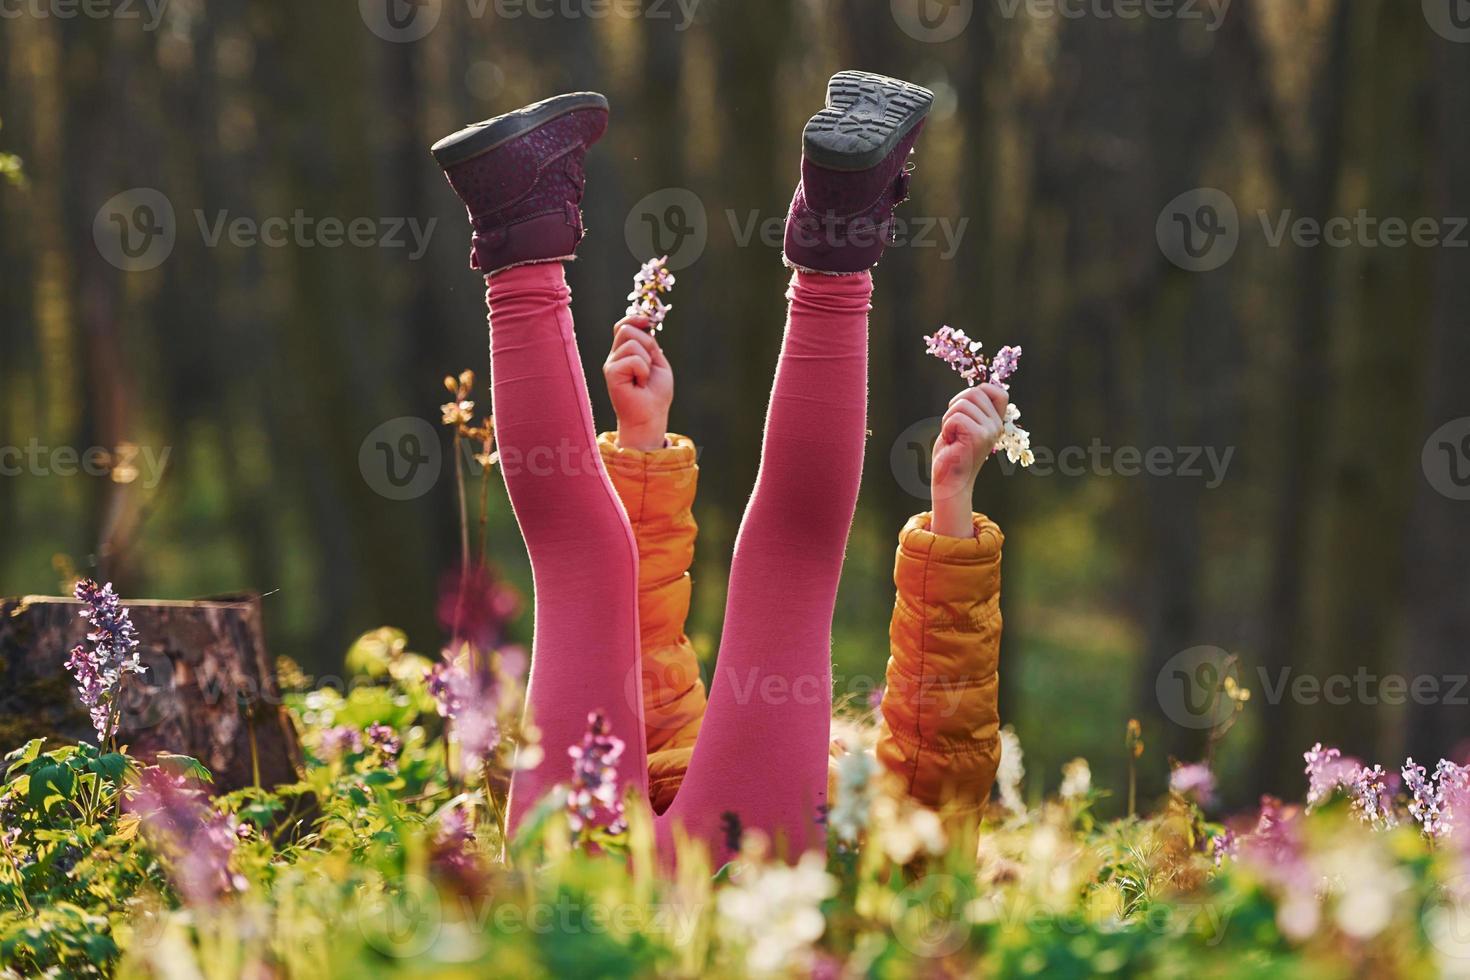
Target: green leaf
<point>183,765</point>
<point>50,785</point>
<point>23,756</point>
<point>262,812</point>
<point>112,765</point>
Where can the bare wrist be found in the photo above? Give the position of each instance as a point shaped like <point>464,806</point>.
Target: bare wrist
<point>642,438</point>
<point>954,516</point>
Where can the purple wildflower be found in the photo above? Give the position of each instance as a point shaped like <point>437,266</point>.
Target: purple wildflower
<point>113,653</point>
<point>1327,772</point>
<point>452,850</point>
<point>595,779</point>
<point>341,740</point>
<point>959,351</point>
<point>955,348</point>
<point>197,840</point>
<point>1372,792</point>
<point>1436,801</point>
<point>1224,845</point>
<point>386,743</point>
<point>650,283</point>
<point>1003,365</point>
<point>472,704</point>
<point>1194,780</point>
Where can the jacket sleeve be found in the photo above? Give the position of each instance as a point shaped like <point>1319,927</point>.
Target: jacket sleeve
<point>657,489</point>
<point>940,725</point>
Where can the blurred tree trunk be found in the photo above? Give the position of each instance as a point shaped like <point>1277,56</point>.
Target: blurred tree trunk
<point>1379,312</point>
<point>1437,585</point>
<point>1308,183</point>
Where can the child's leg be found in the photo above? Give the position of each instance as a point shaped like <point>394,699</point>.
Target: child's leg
<point>762,753</point>
<point>583,555</point>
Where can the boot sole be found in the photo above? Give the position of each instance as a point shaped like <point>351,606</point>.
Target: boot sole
<point>865,118</point>
<point>482,137</point>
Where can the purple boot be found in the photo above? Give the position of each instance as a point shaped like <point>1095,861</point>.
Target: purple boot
<point>520,176</point>
<point>853,172</point>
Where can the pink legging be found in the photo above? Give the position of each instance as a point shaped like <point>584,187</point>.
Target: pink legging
<point>762,750</point>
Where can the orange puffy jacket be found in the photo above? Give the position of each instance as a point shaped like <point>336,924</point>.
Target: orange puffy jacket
<point>940,726</point>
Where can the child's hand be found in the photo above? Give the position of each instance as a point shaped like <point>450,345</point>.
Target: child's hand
<point>641,385</point>
<point>972,425</point>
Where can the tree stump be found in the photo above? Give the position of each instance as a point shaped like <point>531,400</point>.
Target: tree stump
<point>209,692</point>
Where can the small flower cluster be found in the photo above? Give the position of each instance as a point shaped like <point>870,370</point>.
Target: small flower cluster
<point>1010,771</point>
<point>1437,801</point>
<point>385,743</point>
<point>198,840</point>
<point>1370,790</point>
<point>1015,441</point>
<point>955,348</point>
<point>595,780</point>
<point>1195,781</point>
<point>649,285</point>
<point>339,741</point>
<point>99,671</point>
<point>459,415</point>
<point>480,706</point>
<point>773,912</point>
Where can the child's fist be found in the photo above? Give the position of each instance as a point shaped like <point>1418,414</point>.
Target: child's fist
<point>967,436</point>
<point>640,384</point>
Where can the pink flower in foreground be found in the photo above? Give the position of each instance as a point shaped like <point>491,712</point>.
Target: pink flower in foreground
<point>595,798</point>
<point>1194,780</point>
<point>197,840</point>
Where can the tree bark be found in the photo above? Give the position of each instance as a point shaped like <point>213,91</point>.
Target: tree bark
<point>209,691</point>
